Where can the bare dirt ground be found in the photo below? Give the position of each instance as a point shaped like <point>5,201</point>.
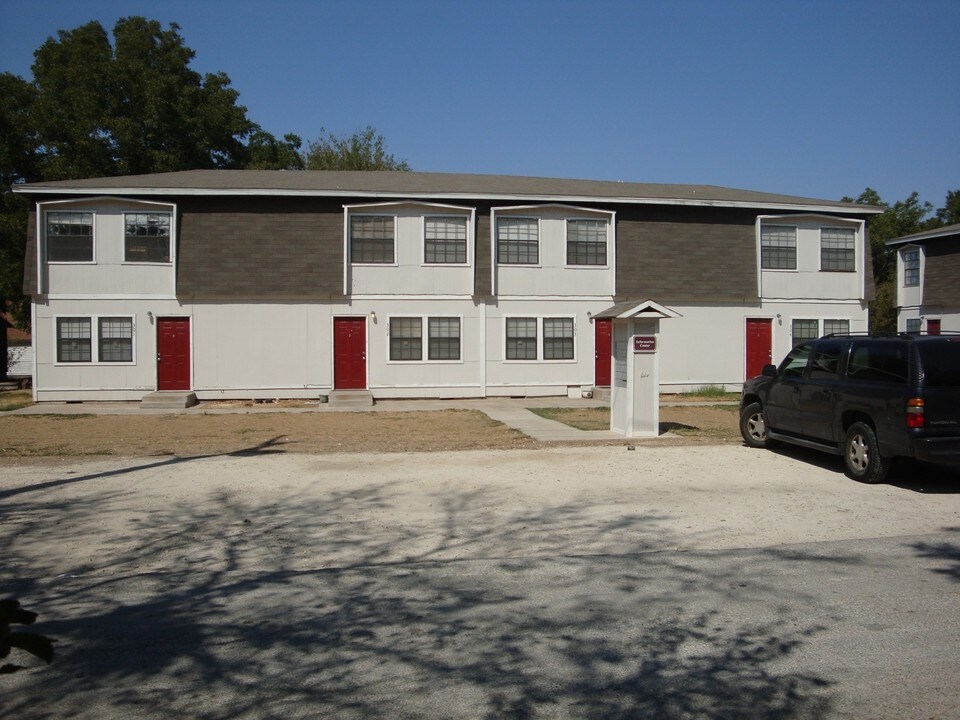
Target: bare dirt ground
<point>33,436</point>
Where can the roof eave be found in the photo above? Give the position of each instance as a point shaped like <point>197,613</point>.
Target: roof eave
<point>498,197</point>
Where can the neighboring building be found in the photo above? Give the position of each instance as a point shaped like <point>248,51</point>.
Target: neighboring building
<point>928,280</point>
<point>19,349</point>
<point>271,284</point>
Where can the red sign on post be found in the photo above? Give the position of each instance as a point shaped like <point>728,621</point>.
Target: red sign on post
<point>645,343</point>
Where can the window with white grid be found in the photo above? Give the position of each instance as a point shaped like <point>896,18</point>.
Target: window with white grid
<point>778,247</point>
<point>445,240</point>
<point>443,338</point>
<point>518,241</point>
<point>521,339</point>
<point>74,340</point>
<point>406,338</point>
<point>586,242</point>
<point>911,268</point>
<point>803,330</point>
<point>558,338</point>
<point>115,339</point>
<point>146,237</point>
<point>836,327</point>
<point>69,236</point>
<point>837,249</point>
<point>371,239</point>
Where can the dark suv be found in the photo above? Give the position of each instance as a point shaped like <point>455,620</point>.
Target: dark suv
<point>868,398</point>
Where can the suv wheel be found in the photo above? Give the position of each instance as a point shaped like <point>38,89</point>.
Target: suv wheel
<point>861,454</point>
<point>752,426</point>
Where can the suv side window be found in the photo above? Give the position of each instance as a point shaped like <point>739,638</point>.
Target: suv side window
<point>826,361</point>
<point>880,361</point>
<point>795,362</point>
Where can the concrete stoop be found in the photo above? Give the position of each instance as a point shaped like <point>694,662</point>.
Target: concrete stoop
<point>601,393</point>
<point>168,400</point>
<point>350,398</point>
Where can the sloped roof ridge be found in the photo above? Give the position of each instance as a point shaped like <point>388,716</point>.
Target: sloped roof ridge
<point>395,183</point>
<point>927,234</point>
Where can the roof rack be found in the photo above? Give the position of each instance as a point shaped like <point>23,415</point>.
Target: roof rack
<point>887,334</point>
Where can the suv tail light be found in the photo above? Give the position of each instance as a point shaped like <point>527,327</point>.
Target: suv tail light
<point>915,413</point>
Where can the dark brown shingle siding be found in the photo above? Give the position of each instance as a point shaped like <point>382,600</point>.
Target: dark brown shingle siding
<point>686,255</point>
<point>941,276</point>
<point>260,248</point>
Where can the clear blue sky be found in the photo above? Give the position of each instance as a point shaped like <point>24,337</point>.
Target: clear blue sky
<point>820,99</point>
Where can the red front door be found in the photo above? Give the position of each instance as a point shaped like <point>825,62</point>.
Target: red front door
<point>173,353</point>
<point>349,353</point>
<point>601,345</point>
<point>933,327</point>
<point>759,345</point>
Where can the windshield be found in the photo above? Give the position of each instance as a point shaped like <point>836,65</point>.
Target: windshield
<point>941,362</point>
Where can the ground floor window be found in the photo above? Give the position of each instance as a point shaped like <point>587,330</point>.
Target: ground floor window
<point>73,340</point>
<point>525,336</point>
<point>443,340</point>
<point>803,329</point>
<point>914,325</point>
<point>111,343</point>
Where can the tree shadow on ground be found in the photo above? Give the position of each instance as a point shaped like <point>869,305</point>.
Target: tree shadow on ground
<point>302,608</point>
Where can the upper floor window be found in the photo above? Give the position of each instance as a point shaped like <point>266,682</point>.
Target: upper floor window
<point>371,239</point>
<point>778,247</point>
<point>911,268</point>
<point>518,241</point>
<point>146,237</point>
<point>837,249</point>
<point>445,240</point>
<point>70,237</point>
<point>586,242</point>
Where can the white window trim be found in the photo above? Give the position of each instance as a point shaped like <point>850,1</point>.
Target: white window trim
<point>347,248</point>
<point>93,237</point>
<point>539,318</point>
<point>820,320</point>
<point>902,267</point>
<point>95,340</point>
<point>856,255</point>
<point>796,248</point>
<point>609,244</point>
<point>467,217</point>
<point>424,339</point>
<point>496,241</point>
<point>170,249</point>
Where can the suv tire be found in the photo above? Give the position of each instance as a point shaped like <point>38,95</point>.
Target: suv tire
<point>861,455</point>
<point>753,427</point>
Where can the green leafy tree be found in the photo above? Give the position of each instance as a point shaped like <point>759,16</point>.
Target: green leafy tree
<point>134,107</point>
<point>364,150</point>
<point>949,214</point>
<point>265,152</point>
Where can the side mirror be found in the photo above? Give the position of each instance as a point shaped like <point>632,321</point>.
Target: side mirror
<point>769,371</point>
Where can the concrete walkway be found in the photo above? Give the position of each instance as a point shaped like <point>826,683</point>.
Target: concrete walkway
<point>513,412</point>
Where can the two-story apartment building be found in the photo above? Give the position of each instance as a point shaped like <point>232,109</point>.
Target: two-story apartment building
<point>928,280</point>
<point>271,284</point>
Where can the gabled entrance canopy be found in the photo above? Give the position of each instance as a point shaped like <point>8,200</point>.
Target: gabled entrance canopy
<point>633,309</point>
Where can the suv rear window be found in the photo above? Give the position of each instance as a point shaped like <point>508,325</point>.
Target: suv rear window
<point>940,362</point>
<point>879,361</point>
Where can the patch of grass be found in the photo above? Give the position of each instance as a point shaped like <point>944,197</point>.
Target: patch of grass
<point>711,392</point>
<point>15,399</point>
<point>591,418</point>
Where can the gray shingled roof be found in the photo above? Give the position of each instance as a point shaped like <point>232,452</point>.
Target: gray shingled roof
<point>946,231</point>
<point>387,185</point>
